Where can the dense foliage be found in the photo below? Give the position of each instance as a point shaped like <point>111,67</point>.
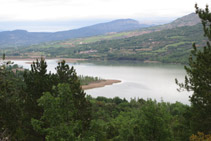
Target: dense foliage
<point>36,105</point>
<point>85,80</point>
<point>23,113</point>
<point>60,111</point>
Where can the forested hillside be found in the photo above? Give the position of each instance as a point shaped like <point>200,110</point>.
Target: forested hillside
<point>167,46</point>
<point>169,43</point>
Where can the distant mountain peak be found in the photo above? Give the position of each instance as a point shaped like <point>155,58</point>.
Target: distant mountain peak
<point>23,37</point>
<point>126,21</point>
<point>130,23</point>
<point>19,30</point>
<point>16,31</point>
<point>188,20</point>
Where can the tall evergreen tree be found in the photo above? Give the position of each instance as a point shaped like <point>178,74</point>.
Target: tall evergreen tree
<point>9,102</point>
<point>57,121</point>
<point>68,75</point>
<point>198,78</point>
<point>37,81</point>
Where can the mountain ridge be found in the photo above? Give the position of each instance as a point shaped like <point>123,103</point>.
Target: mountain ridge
<point>166,46</point>
<point>23,37</point>
<point>18,38</point>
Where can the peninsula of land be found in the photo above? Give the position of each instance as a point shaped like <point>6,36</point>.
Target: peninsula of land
<point>99,84</point>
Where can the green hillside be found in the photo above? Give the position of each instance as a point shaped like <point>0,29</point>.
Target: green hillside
<point>167,46</point>
<point>169,43</point>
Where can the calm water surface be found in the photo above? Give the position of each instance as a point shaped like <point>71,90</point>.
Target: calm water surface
<point>139,80</point>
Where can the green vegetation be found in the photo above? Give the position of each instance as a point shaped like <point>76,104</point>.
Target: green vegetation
<point>23,114</point>
<point>117,119</point>
<point>36,105</point>
<point>94,39</point>
<point>85,80</point>
<point>167,46</point>
<point>146,44</point>
<point>40,106</point>
<point>198,79</point>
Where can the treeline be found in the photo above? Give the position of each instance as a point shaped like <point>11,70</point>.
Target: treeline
<point>137,120</point>
<point>85,80</point>
<point>36,105</point>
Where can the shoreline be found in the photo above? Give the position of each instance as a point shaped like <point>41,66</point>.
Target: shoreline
<point>92,85</point>
<point>102,83</point>
<point>30,60</point>
<point>75,60</point>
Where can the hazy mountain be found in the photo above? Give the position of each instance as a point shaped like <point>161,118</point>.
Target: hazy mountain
<point>168,46</point>
<point>188,20</point>
<point>22,37</point>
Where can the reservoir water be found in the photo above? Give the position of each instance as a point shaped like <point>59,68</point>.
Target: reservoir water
<point>138,80</point>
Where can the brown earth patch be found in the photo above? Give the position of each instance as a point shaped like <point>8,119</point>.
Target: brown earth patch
<point>148,61</point>
<point>71,60</point>
<point>99,84</point>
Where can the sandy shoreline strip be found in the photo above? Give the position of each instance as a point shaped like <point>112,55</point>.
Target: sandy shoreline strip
<point>30,60</point>
<point>71,60</point>
<point>99,84</point>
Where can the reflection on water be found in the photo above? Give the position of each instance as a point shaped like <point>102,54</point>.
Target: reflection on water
<point>139,80</point>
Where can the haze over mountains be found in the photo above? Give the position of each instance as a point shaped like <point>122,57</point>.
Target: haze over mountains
<point>188,20</point>
<point>22,37</point>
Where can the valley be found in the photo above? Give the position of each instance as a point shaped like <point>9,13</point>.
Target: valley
<point>105,70</point>
<point>166,46</point>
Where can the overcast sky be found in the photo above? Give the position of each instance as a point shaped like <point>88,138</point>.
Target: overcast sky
<point>86,12</point>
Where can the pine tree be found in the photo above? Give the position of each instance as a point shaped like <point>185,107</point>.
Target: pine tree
<point>37,81</point>
<point>198,78</point>
<point>10,111</point>
<point>43,86</point>
<point>68,75</point>
<point>57,121</point>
